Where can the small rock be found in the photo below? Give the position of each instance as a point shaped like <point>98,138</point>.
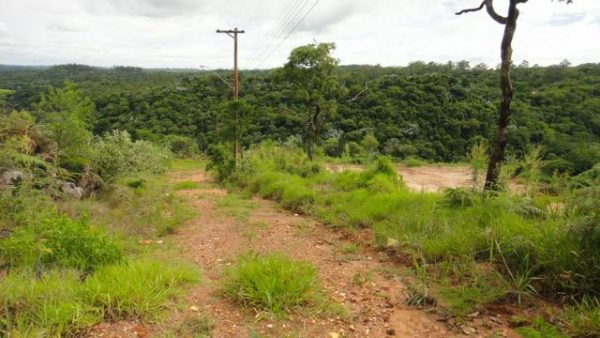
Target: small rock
<point>352,328</point>
<point>334,335</point>
<point>269,326</point>
<point>194,308</point>
<point>467,330</point>
<point>474,314</point>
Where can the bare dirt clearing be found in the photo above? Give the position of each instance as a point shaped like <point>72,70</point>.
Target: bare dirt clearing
<point>369,286</point>
<point>428,178</point>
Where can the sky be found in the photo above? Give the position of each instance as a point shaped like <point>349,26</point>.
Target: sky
<point>181,33</point>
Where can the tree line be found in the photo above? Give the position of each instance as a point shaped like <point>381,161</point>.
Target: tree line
<point>433,111</point>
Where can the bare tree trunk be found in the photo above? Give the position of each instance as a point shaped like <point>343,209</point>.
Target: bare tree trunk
<point>499,143</point>
<point>312,131</point>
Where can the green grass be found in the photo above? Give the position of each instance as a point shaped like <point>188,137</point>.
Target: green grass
<point>272,283</point>
<point>186,185</point>
<point>583,320</point>
<point>150,210</point>
<point>523,247</point>
<point>50,306</point>
<point>138,289</point>
<point>188,164</point>
<point>540,329</point>
<point>59,303</point>
<point>236,206</point>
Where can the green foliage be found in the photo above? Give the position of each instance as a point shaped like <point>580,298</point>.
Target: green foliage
<point>48,306</point>
<point>116,155</point>
<point>583,320</point>
<point>272,283</point>
<point>311,72</point>
<point>58,241</point>
<point>59,303</point>
<point>414,162</point>
<point>67,116</point>
<point>136,289</point>
<point>436,112</point>
<point>458,198</point>
<point>181,146</point>
<point>540,329</point>
<point>186,185</point>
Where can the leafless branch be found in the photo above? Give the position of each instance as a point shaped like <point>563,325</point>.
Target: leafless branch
<point>489,6</point>
<point>468,10</point>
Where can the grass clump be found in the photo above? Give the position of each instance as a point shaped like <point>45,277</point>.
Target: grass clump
<point>186,185</point>
<point>48,306</point>
<point>137,289</point>
<point>59,241</point>
<point>58,303</point>
<point>539,328</point>
<point>272,283</point>
<point>583,320</point>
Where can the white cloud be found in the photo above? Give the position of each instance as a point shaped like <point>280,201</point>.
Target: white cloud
<point>181,33</point>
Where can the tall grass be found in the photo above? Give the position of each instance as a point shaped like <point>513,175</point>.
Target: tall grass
<point>531,248</point>
<point>272,283</point>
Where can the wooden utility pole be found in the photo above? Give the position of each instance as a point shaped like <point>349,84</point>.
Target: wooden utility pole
<point>233,33</point>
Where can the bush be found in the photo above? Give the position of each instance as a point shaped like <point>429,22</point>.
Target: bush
<point>136,289</point>
<point>116,154</point>
<point>271,283</point>
<point>59,241</point>
<point>413,162</point>
<point>458,198</point>
<point>221,160</point>
<point>181,146</point>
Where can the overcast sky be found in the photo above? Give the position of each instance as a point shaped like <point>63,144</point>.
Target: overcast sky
<point>181,33</point>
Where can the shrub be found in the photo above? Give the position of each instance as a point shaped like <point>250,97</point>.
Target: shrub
<point>458,198</point>
<point>271,283</point>
<point>181,146</point>
<point>116,154</point>
<point>221,160</point>
<point>59,241</point>
<point>139,288</point>
<point>298,198</point>
<point>413,162</point>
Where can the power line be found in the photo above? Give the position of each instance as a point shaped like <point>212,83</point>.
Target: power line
<point>278,31</point>
<point>285,16</point>
<point>289,33</point>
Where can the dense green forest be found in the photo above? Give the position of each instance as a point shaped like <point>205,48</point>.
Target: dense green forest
<point>435,112</point>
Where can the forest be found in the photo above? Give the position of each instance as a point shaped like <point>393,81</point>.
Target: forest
<point>435,112</point>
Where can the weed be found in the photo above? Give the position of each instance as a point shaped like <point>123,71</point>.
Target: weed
<point>195,325</point>
<point>360,278</point>
<point>350,248</point>
<point>272,283</point>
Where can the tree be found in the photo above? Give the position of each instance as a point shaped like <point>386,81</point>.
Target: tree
<point>500,138</point>
<point>67,114</point>
<point>311,71</point>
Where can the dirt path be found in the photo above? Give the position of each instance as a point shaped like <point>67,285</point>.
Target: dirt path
<point>369,286</point>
